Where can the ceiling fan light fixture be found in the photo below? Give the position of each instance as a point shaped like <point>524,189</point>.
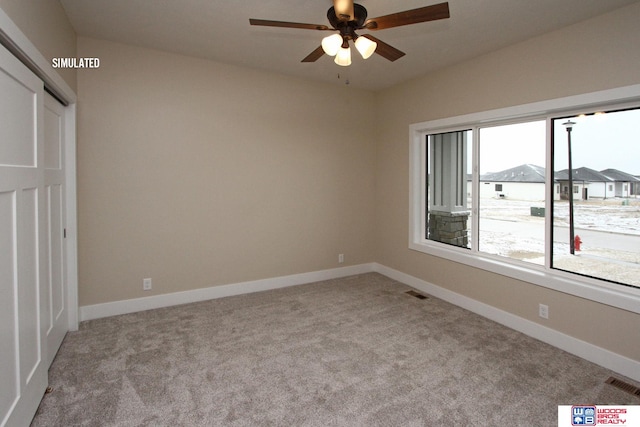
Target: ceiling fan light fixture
<point>331,44</point>
<point>365,46</point>
<point>343,57</point>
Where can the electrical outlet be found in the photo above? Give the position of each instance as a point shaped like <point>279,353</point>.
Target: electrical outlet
<point>543,311</point>
<point>146,284</point>
<point>341,258</point>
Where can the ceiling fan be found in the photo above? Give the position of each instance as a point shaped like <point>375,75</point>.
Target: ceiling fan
<point>346,17</point>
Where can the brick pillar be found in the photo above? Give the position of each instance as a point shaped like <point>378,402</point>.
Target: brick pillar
<point>449,227</point>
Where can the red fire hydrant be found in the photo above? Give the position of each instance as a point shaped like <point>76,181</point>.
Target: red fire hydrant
<point>577,242</point>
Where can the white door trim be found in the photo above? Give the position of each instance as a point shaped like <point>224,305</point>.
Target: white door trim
<point>20,46</point>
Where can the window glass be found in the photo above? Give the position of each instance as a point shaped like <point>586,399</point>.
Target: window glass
<point>512,191</point>
<point>596,228</point>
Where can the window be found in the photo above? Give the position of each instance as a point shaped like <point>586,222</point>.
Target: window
<point>512,208</point>
<point>596,233</point>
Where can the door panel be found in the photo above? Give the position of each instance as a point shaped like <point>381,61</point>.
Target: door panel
<point>53,133</point>
<point>8,285</point>
<point>19,141</point>
<point>29,328</point>
<point>23,368</point>
<point>54,284</point>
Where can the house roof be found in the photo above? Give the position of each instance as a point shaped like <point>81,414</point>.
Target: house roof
<point>533,173</point>
<point>522,173</point>
<point>619,176</point>
<point>582,174</point>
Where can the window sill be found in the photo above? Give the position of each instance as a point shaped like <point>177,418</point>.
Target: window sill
<point>619,296</point>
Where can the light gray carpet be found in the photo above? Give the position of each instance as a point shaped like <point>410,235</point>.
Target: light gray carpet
<point>356,351</point>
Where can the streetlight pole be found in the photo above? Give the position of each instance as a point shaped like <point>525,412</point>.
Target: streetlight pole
<point>572,249</point>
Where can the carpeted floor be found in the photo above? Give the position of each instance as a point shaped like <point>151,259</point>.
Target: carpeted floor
<point>356,351</point>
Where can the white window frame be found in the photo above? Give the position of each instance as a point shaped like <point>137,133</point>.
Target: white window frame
<point>620,296</point>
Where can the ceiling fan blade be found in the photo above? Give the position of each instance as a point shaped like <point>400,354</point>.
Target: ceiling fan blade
<point>267,23</point>
<point>314,56</point>
<point>344,9</point>
<point>414,16</point>
<point>385,50</point>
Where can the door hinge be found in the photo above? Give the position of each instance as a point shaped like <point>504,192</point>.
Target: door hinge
<point>64,233</point>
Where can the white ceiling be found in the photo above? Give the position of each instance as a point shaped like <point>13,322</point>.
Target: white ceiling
<point>219,30</point>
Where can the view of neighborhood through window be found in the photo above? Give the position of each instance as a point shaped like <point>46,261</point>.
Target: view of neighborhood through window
<point>448,216</point>
<point>605,177</point>
<point>512,191</point>
<point>595,198</point>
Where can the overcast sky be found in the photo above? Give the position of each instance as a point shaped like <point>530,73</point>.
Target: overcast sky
<point>598,142</point>
<point>504,147</point>
<point>602,141</point>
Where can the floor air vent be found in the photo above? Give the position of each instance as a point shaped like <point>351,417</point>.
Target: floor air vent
<point>629,388</point>
<point>416,294</point>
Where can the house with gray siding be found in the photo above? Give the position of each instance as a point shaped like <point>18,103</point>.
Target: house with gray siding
<point>625,185</point>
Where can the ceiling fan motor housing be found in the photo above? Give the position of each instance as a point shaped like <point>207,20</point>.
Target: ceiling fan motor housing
<point>347,28</point>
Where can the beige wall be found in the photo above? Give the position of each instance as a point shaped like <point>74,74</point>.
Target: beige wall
<point>45,24</point>
<point>598,54</point>
<point>197,174</point>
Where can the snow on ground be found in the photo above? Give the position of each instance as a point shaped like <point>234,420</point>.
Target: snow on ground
<point>610,215</point>
<point>508,229</point>
<point>603,264</point>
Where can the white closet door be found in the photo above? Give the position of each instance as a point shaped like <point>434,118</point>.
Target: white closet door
<point>54,285</point>
<point>23,252</point>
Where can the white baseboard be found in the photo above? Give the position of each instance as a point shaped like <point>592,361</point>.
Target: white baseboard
<point>600,356</point>
<point>96,311</point>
